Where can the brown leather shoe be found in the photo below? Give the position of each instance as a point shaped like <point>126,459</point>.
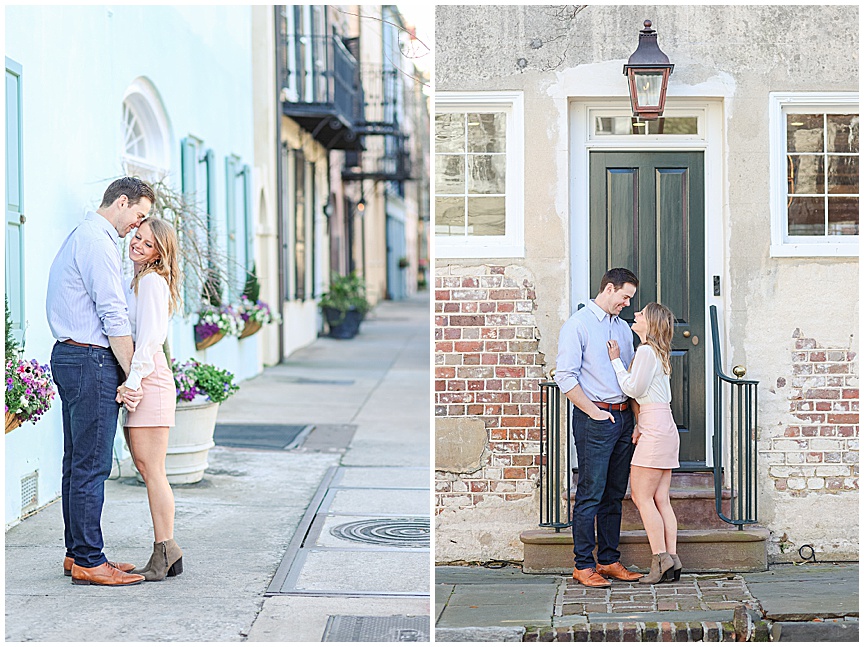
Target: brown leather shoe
<point>589,577</point>
<point>120,566</point>
<point>103,575</point>
<point>617,571</point>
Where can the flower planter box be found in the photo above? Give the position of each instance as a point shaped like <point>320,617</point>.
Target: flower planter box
<point>12,422</point>
<point>250,329</point>
<point>209,341</point>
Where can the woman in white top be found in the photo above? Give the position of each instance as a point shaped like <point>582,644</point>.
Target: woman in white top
<point>152,296</point>
<point>655,436</point>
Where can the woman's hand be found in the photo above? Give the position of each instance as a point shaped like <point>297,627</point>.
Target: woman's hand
<point>127,396</point>
<point>612,347</point>
<point>636,434</point>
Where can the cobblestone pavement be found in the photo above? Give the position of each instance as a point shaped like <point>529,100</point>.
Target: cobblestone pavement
<point>691,593</point>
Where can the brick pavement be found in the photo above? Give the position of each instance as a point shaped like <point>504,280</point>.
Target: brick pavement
<point>691,593</point>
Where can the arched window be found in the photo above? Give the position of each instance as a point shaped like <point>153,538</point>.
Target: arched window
<point>146,133</point>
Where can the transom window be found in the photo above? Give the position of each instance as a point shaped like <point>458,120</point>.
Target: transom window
<point>814,174</point>
<point>478,175</point>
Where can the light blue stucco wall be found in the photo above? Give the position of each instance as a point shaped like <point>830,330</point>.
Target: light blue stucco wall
<point>77,63</point>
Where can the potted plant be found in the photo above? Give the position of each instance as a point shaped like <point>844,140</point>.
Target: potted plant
<point>29,387</point>
<point>214,322</point>
<point>403,262</point>
<point>344,305</point>
<point>200,390</point>
<point>254,312</point>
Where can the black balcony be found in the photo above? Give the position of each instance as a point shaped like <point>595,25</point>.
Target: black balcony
<point>383,101</point>
<point>393,164</point>
<point>321,89</point>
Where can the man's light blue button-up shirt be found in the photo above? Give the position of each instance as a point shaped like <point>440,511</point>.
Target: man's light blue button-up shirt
<point>85,301</point>
<point>583,358</point>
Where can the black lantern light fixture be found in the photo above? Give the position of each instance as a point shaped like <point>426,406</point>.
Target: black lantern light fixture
<point>648,71</point>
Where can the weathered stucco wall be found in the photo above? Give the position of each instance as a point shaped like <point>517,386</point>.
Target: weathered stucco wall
<point>737,54</point>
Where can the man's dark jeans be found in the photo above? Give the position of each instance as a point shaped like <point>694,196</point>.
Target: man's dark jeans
<point>604,450</point>
<point>87,380</point>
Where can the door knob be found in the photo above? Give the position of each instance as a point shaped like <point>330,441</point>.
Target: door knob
<point>686,333</point>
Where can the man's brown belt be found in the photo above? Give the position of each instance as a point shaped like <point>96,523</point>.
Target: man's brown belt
<point>75,343</point>
<point>622,406</point>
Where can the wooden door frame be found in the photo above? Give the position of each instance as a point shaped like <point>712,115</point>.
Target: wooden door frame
<point>710,143</point>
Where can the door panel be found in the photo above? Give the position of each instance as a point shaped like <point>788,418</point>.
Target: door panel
<point>647,214</point>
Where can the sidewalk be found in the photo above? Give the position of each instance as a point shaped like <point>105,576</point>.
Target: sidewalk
<point>808,602</point>
<point>368,399</point>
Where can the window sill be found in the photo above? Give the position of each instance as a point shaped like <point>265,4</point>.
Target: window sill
<point>793,250</point>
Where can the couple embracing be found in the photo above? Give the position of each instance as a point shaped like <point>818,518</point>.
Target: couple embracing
<point>623,429</point>
<point>110,332</point>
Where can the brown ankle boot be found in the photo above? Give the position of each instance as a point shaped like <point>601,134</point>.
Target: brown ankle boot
<point>661,569</point>
<point>166,561</point>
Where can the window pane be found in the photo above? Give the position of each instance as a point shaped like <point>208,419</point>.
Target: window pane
<point>806,173</point>
<point>486,216</point>
<point>487,132</point>
<point>842,174</point>
<point>842,133</point>
<point>450,174</point>
<point>648,87</point>
<point>843,216</point>
<point>450,133</point>
<point>806,217</point>
<point>634,126</point>
<point>804,133</point>
<point>450,216</point>
<point>486,173</point>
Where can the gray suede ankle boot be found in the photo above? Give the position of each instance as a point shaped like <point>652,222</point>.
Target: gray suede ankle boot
<point>166,561</point>
<point>661,569</point>
<point>676,574</point>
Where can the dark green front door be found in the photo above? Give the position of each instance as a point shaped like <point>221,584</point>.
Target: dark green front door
<point>648,215</point>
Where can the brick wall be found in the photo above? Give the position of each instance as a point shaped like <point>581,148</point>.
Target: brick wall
<point>487,366</point>
<point>818,451</point>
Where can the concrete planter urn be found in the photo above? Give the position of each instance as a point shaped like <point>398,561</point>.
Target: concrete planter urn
<point>189,442</point>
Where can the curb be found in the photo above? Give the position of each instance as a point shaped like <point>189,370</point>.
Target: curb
<point>833,630</point>
<point>480,634</point>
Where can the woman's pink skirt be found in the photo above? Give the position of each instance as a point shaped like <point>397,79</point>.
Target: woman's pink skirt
<point>658,444</point>
<point>156,408</point>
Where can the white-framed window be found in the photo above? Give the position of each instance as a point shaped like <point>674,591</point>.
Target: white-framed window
<point>145,132</point>
<point>479,156</point>
<point>814,173</point>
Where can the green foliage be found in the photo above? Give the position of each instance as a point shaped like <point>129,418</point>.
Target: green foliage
<point>193,378</point>
<point>346,293</point>
<point>11,344</point>
<point>252,289</point>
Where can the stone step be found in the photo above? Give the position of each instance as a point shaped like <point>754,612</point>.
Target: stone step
<point>701,551</point>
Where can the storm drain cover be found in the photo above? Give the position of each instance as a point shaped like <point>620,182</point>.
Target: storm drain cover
<point>407,532</point>
<point>261,436</point>
<point>382,629</point>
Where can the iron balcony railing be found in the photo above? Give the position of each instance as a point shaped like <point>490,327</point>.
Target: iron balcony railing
<point>741,420</point>
<point>555,469</point>
<point>321,88</point>
<point>391,163</point>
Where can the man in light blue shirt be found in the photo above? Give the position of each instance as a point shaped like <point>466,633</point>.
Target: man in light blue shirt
<point>87,313</point>
<point>602,425</point>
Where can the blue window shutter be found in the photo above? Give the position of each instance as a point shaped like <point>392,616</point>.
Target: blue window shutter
<point>248,219</point>
<point>14,266</point>
<point>231,215</point>
<point>189,186</point>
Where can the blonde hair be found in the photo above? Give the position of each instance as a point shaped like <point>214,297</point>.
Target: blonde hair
<point>166,265</point>
<point>661,326</point>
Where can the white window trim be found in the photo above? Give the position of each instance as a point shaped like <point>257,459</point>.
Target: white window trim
<point>512,244</point>
<point>781,245</point>
<point>143,100</point>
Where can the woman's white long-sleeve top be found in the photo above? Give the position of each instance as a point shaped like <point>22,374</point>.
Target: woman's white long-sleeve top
<point>148,314</point>
<point>645,380</point>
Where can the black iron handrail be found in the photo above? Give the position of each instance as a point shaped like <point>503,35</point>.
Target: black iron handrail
<point>555,471</point>
<point>742,412</point>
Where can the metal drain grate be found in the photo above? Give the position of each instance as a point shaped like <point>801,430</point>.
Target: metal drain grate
<point>389,629</point>
<point>410,532</point>
<point>29,492</point>
<point>261,436</point>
